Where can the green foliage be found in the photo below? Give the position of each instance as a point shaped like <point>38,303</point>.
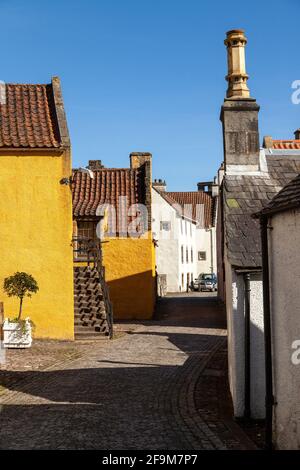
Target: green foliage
<point>23,323</point>
<point>20,285</point>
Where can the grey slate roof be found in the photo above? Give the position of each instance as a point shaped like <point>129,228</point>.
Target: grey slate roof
<point>244,195</point>
<point>287,198</point>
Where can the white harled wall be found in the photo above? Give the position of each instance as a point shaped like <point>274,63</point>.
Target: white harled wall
<point>206,241</point>
<point>168,251</point>
<point>284,255</point>
<point>236,357</point>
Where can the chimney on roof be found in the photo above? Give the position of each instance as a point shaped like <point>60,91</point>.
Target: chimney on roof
<point>209,187</point>
<point>297,134</point>
<point>237,76</point>
<point>159,185</point>
<point>215,188</point>
<point>268,142</point>
<point>239,113</point>
<point>138,159</point>
<point>205,186</point>
<point>95,165</point>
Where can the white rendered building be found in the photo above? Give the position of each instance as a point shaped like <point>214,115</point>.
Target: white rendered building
<point>185,237</point>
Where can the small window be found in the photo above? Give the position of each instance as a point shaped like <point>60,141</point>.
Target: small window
<point>182,280</point>
<point>192,255</point>
<point>87,229</point>
<point>165,225</point>
<point>182,254</point>
<point>201,255</point>
<point>187,255</point>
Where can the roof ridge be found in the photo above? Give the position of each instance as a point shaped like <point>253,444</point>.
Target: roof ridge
<point>26,84</point>
<point>109,169</point>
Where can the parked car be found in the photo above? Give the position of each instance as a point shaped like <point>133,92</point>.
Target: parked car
<point>208,282</point>
<point>205,281</point>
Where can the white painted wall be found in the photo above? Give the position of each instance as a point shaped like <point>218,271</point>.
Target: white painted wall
<point>187,240</point>
<point>235,311</point>
<point>168,251</point>
<point>284,252</point>
<point>206,241</point>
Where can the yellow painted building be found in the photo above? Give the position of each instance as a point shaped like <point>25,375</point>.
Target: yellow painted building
<point>127,247</point>
<point>36,205</point>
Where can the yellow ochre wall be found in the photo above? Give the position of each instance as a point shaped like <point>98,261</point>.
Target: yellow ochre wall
<point>130,274</point>
<point>35,237</point>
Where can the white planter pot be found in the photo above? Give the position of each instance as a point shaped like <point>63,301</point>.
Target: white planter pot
<point>17,335</point>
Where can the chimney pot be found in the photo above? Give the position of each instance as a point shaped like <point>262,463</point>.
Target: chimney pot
<point>237,77</point>
<point>297,134</point>
<point>159,185</point>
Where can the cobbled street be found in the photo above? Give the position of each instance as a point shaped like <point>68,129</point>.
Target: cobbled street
<point>159,385</point>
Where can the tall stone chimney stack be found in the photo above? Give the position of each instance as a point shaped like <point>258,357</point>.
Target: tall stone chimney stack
<point>237,76</point>
<point>239,113</point>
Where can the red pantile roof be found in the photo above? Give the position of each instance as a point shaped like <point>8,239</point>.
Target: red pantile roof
<point>31,116</point>
<point>196,199</point>
<point>107,186</point>
<point>286,144</point>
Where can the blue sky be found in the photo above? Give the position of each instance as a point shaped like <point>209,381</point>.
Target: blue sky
<point>148,75</point>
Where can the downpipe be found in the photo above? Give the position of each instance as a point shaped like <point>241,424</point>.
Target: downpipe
<point>267,334</point>
<point>247,349</point>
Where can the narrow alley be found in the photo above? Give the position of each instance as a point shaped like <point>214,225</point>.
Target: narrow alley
<point>159,385</point>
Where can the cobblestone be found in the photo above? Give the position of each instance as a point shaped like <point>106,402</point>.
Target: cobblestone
<point>151,389</point>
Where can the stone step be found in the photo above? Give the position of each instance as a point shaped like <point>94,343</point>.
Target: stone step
<point>85,326</point>
<point>84,336</point>
<point>86,276</point>
<point>90,319</point>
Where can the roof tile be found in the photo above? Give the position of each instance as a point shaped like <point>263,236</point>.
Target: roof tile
<point>108,186</point>
<point>286,144</point>
<point>28,117</point>
<point>196,199</point>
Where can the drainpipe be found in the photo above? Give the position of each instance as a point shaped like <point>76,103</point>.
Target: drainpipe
<point>267,333</point>
<point>211,252</point>
<point>247,394</point>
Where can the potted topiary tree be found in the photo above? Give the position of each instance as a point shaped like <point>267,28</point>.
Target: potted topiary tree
<point>17,332</point>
